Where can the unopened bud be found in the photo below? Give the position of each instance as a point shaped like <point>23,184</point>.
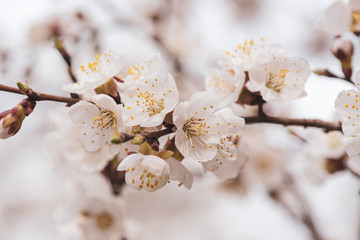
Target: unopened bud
<point>58,43</point>
<point>22,87</point>
<point>138,139</point>
<point>343,50</point>
<point>11,120</point>
<point>117,138</point>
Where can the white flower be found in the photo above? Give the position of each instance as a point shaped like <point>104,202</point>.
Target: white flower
<point>102,218</point>
<point>226,168</point>
<point>85,215</point>
<point>243,57</point>
<point>150,172</point>
<point>347,103</point>
<point>152,95</point>
<point>96,73</point>
<point>225,84</point>
<point>324,152</point>
<point>278,77</point>
<point>200,128</point>
<point>147,172</point>
<point>228,160</point>
<point>341,17</point>
<point>268,151</point>
<point>140,71</point>
<point>71,151</point>
<point>99,122</point>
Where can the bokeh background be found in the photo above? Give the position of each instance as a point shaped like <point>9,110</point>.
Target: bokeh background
<point>189,35</point>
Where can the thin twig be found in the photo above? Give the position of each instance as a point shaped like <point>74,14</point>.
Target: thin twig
<point>66,56</point>
<point>127,137</point>
<point>327,126</point>
<point>327,73</point>
<point>305,216</point>
<point>39,96</point>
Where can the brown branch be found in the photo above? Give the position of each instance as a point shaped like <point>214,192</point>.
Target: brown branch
<point>327,73</point>
<point>305,217</point>
<point>127,137</point>
<point>39,96</point>
<point>66,56</point>
<point>327,126</point>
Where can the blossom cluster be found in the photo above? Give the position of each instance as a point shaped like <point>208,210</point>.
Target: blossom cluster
<point>122,105</point>
<point>130,127</point>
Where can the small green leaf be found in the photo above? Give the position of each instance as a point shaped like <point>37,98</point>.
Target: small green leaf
<point>165,154</point>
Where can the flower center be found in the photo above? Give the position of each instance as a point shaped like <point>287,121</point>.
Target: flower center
<point>104,220</point>
<point>221,85</point>
<point>152,104</point>
<point>263,164</point>
<point>95,66</point>
<point>105,120</point>
<point>276,81</point>
<point>149,179</point>
<point>195,127</point>
<point>224,147</point>
<point>355,24</point>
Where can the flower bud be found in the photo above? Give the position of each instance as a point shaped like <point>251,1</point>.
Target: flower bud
<point>117,138</point>
<point>23,87</point>
<point>11,120</point>
<point>343,50</point>
<point>138,139</point>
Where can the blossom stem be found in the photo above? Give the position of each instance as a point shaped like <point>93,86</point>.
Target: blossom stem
<point>327,73</point>
<point>327,126</point>
<point>32,95</point>
<point>157,134</point>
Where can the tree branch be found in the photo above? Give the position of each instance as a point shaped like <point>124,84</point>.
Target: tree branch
<point>305,217</point>
<point>66,56</point>
<point>327,73</point>
<point>39,96</point>
<point>327,126</point>
<point>127,137</point>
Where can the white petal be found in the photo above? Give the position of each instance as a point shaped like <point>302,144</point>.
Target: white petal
<point>82,111</point>
<point>180,173</point>
<point>338,17</point>
<point>211,166</point>
<point>130,161</point>
<point>348,103</point>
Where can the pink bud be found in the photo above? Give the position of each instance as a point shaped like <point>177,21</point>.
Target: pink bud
<point>342,49</point>
<point>11,120</point>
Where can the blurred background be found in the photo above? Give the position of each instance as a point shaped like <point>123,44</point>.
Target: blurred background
<point>189,35</point>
